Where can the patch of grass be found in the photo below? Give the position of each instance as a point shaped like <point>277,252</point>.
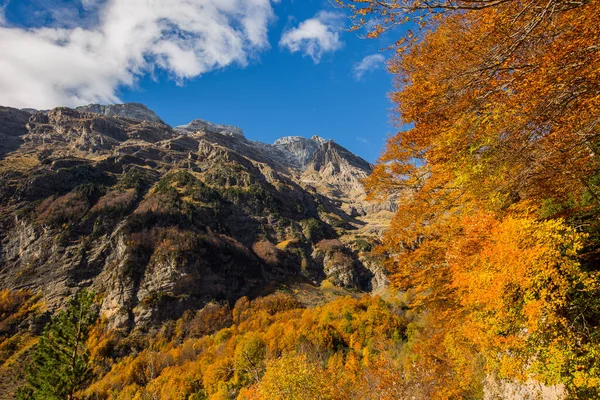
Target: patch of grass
<point>18,163</point>
<point>287,243</point>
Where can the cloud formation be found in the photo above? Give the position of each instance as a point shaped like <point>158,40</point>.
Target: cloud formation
<point>367,64</point>
<point>315,36</point>
<point>47,67</point>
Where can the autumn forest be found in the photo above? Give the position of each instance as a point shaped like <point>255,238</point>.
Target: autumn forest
<point>492,254</point>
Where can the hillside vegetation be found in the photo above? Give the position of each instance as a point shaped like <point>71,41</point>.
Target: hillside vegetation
<point>229,269</point>
<point>496,243</point>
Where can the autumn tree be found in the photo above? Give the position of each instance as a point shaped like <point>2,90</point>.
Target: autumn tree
<point>275,348</point>
<point>507,95</point>
<point>496,239</point>
<point>249,358</point>
<point>294,378</point>
<point>60,364</point>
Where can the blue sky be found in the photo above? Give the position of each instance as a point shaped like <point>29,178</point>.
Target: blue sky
<point>270,88</point>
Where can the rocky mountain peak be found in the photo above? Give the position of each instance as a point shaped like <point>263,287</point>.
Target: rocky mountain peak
<point>135,111</point>
<point>286,140</point>
<point>299,140</point>
<point>161,220</point>
<point>318,139</point>
<point>336,154</point>
<point>300,149</point>
<point>201,125</point>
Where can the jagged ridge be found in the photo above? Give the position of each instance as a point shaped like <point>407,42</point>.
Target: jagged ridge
<point>160,220</point>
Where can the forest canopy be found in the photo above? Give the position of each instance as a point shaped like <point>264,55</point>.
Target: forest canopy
<point>496,239</point>
<point>492,255</point>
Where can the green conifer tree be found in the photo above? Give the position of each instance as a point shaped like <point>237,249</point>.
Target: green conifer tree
<point>60,365</point>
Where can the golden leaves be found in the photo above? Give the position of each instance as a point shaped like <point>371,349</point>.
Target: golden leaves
<point>274,349</point>
<point>503,99</point>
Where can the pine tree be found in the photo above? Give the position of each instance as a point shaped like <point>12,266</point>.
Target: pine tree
<point>60,364</point>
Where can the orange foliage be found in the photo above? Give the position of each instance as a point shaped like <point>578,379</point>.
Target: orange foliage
<point>16,307</point>
<point>274,349</point>
<point>502,102</point>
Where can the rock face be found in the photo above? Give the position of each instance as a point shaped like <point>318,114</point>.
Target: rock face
<point>300,151</point>
<point>13,121</point>
<point>12,127</point>
<point>130,110</point>
<point>160,220</point>
<point>199,125</point>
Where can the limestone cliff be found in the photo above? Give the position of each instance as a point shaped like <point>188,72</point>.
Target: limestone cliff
<point>160,220</point>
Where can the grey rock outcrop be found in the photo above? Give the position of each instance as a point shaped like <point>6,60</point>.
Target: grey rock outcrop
<point>301,151</point>
<point>161,220</point>
<point>205,126</point>
<point>13,121</point>
<point>12,127</point>
<point>129,110</point>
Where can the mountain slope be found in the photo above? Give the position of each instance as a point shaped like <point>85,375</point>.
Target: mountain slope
<point>160,220</point>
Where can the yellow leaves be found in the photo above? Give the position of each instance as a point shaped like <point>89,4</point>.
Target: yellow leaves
<point>500,284</point>
<point>17,304</point>
<point>494,261</point>
<point>375,32</point>
<point>294,378</point>
<point>504,120</point>
<point>274,349</point>
<point>216,375</point>
<point>503,107</point>
<point>176,383</point>
<point>249,358</point>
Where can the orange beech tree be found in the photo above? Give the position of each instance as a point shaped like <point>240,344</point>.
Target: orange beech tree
<point>496,238</point>
<point>271,348</point>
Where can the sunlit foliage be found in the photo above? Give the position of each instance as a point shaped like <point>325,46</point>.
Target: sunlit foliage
<point>496,240</point>
<point>274,348</point>
<point>17,308</point>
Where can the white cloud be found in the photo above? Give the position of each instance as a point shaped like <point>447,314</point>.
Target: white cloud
<point>315,36</point>
<point>367,64</point>
<point>47,67</point>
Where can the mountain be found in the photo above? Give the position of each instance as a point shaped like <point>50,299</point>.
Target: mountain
<point>129,110</point>
<point>159,220</point>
